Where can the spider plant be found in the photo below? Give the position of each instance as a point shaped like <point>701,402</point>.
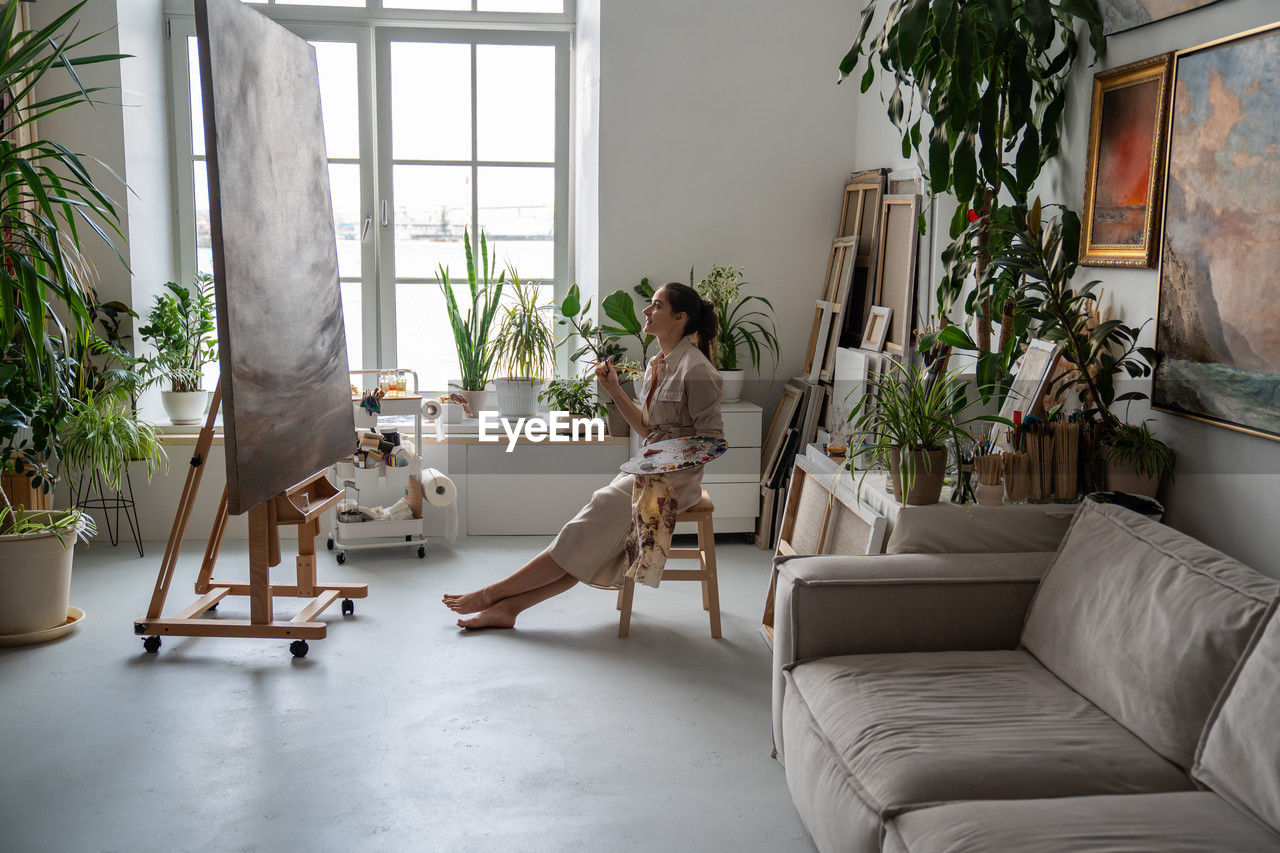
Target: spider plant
<point>1137,447</point>
<point>20,522</point>
<point>471,333</point>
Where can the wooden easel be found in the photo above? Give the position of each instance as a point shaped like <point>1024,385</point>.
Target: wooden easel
<point>300,505</point>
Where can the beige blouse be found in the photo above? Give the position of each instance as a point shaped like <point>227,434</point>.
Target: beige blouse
<point>686,400</point>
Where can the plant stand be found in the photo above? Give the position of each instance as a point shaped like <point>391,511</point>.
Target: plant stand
<point>300,505</point>
<point>82,498</point>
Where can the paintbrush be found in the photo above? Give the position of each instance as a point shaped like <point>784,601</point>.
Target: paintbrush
<point>617,367</point>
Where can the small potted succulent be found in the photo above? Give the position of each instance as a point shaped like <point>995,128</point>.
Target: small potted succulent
<point>525,348</point>
<point>741,326</point>
<point>181,327</point>
<point>471,332</point>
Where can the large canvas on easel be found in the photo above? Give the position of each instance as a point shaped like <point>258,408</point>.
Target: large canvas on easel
<point>285,389</point>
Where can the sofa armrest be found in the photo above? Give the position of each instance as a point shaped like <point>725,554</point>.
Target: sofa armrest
<point>845,605</point>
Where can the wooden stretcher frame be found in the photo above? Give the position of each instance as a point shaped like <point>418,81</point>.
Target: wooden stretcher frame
<point>301,505</point>
<point>838,492</point>
<point>860,213</point>
<point>896,270</point>
<point>829,311</point>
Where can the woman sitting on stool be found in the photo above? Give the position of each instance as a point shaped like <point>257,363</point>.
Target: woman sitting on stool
<point>681,393</point>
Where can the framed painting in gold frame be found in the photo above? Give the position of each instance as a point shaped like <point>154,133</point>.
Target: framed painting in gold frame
<point>1124,175</point>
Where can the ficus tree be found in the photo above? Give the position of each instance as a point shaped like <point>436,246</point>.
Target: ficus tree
<point>979,88</point>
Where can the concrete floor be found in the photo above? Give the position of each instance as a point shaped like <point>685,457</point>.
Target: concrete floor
<point>398,731</point>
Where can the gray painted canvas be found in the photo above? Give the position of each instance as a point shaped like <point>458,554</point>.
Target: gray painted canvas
<point>1218,327</point>
<point>285,388</point>
<point>1118,15</point>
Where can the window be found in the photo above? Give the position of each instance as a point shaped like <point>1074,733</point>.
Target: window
<point>433,130</point>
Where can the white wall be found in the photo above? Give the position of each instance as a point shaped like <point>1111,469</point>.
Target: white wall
<point>723,138</point>
<point>1227,483</point>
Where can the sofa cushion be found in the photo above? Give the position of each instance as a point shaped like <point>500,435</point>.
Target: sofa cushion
<point>1145,622</point>
<point>1161,823</point>
<point>929,727</point>
<point>1239,756</point>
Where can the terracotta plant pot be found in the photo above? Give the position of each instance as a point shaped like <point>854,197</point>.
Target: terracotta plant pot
<point>929,467</point>
<point>35,581</point>
<point>1122,478</point>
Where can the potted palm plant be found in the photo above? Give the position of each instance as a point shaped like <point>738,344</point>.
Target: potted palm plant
<point>471,332</point>
<point>525,348</point>
<point>741,326</point>
<point>181,328</point>
<point>903,423</point>
<point>45,297</point>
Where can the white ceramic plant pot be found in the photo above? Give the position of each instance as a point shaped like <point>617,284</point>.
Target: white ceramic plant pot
<point>731,387</point>
<point>185,407</point>
<point>517,398</point>
<point>35,581</point>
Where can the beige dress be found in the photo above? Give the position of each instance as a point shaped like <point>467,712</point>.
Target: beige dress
<point>686,401</point>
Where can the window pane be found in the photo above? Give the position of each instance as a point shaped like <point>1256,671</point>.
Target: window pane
<point>430,101</point>
<point>339,97</point>
<point>521,6</point>
<point>516,102</point>
<point>449,5</point>
<point>424,339</point>
<point>351,319</point>
<point>517,212</point>
<point>432,207</point>
<point>344,189</point>
<point>204,244</point>
<point>197,105</point>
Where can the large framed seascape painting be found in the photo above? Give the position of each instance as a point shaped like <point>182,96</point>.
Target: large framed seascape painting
<point>1218,324</point>
<point>1120,15</point>
<point>1124,175</point>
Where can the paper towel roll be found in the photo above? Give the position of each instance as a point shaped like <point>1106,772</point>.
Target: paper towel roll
<point>430,409</point>
<point>438,489</point>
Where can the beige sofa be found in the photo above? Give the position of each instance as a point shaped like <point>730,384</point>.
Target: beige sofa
<point>1122,693</point>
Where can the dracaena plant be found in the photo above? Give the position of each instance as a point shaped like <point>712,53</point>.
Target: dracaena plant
<point>471,332</point>
<point>526,345</point>
<point>979,89</point>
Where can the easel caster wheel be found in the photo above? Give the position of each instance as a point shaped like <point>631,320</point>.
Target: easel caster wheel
<point>213,607</point>
<point>151,644</point>
<point>422,551</point>
<point>341,558</point>
<point>298,648</point>
<point>329,543</point>
<point>348,607</point>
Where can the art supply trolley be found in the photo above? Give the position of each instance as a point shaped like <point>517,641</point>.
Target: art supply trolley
<point>383,484</point>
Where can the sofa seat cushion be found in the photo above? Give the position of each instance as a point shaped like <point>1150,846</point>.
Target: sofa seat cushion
<point>930,727</point>
<point>1161,823</point>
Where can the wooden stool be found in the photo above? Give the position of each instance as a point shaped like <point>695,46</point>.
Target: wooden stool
<point>705,554</point>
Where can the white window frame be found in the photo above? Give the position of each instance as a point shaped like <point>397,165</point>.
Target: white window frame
<point>372,29</point>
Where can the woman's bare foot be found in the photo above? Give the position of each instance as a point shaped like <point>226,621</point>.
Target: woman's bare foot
<point>491,617</point>
<point>470,602</point>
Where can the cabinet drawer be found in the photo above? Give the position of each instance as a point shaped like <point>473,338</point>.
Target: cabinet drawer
<point>737,465</point>
<point>742,429</point>
<point>735,500</point>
